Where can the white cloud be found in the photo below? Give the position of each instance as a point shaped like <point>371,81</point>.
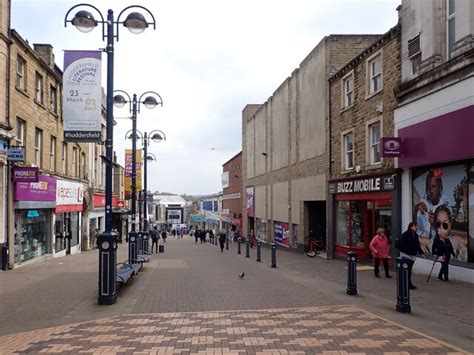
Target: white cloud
<point>207,59</point>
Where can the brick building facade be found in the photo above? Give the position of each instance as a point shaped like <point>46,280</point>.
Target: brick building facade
<point>363,194</point>
<point>231,211</point>
<point>285,155</point>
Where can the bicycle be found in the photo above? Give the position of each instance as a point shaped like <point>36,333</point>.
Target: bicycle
<point>315,245</point>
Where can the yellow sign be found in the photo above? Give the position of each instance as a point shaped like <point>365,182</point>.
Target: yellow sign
<point>128,172</point>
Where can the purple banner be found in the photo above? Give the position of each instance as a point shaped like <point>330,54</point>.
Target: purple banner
<point>43,190</point>
<point>440,139</point>
<point>391,147</point>
<point>25,174</point>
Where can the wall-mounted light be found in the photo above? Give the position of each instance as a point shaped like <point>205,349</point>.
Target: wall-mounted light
<point>358,169</point>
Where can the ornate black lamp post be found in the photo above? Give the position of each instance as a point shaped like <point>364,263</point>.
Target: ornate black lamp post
<point>84,21</point>
<point>151,101</point>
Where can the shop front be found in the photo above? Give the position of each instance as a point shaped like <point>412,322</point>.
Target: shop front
<point>68,217</point>
<point>359,207</point>
<point>34,203</point>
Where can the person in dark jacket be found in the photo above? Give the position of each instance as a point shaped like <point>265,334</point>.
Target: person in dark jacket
<point>442,247</point>
<point>155,235</point>
<point>222,238</point>
<point>409,247</point>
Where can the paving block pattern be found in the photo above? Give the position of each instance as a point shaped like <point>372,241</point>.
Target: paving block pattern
<point>328,330</point>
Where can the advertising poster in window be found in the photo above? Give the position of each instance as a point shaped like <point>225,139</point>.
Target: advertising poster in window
<point>440,204</point>
<point>82,96</point>
<point>250,201</point>
<point>128,172</point>
<point>282,234</point>
<point>295,236</point>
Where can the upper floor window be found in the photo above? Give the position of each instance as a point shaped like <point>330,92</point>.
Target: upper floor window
<point>451,25</point>
<point>375,74</point>
<point>348,91</point>
<point>74,161</point>
<point>20,73</point>
<point>83,165</point>
<point>374,143</point>
<point>39,88</point>
<point>20,132</point>
<point>64,159</point>
<point>38,147</point>
<point>53,99</point>
<point>348,149</point>
<point>52,154</point>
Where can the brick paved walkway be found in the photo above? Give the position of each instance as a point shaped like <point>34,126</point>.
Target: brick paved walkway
<point>326,330</point>
<point>180,302</point>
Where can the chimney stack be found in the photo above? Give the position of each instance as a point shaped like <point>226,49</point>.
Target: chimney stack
<point>45,52</point>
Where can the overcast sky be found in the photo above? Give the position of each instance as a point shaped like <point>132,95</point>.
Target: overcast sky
<point>207,59</point>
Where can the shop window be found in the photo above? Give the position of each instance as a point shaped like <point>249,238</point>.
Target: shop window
<point>357,223</point>
<point>32,234</point>
<point>343,223</point>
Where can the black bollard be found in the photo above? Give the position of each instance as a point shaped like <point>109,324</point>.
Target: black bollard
<point>227,243</point>
<point>247,248</point>
<point>238,246</point>
<point>351,273</point>
<point>274,250</point>
<point>107,244</point>
<point>403,289</point>
<point>132,247</point>
<point>259,250</point>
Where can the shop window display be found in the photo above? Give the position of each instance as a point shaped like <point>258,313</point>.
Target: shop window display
<point>32,234</point>
<point>438,187</point>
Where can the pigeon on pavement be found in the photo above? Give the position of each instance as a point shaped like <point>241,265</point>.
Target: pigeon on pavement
<point>242,276</point>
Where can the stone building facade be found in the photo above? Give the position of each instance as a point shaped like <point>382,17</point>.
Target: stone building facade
<point>45,218</point>
<point>285,155</point>
<point>5,133</point>
<point>434,121</point>
<point>363,194</point>
<point>231,211</point>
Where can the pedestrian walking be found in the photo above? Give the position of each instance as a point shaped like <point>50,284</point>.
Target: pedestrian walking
<point>182,232</point>
<point>196,235</point>
<point>222,238</point>
<point>163,236</point>
<point>380,251</point>
<point>409,247</point>
<point>155,235</point>
<point>211,236</point>
<point>442,247</point>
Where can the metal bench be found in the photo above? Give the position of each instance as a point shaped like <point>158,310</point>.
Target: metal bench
<point>143,257</point>
<point>124,272</point>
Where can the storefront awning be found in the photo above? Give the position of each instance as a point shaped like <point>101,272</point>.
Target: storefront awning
<point>197,218</point>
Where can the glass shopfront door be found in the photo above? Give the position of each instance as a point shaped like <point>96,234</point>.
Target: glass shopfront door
<point>357,221</point>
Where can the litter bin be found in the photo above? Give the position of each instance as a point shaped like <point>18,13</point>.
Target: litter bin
<point>4,258</point>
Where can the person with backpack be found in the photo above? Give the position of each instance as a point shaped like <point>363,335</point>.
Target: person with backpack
<point>154,239</point>
<point>409,247</point>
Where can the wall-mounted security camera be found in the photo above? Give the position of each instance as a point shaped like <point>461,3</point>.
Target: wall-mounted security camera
<point>358,169</point>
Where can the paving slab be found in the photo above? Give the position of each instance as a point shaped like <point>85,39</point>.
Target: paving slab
<point>192,292</point>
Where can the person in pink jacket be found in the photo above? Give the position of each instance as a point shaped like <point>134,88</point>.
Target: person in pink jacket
<point>380,251</point>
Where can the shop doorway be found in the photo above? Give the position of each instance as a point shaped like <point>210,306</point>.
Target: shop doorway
<point>316,220</point>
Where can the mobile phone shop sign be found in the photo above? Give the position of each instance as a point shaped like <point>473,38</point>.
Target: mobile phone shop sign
<point>82,96</point>
<point>25,174</point>
<point>372,184</point>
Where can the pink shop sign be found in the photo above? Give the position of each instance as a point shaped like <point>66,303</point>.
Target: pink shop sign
<point>43,190</point>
